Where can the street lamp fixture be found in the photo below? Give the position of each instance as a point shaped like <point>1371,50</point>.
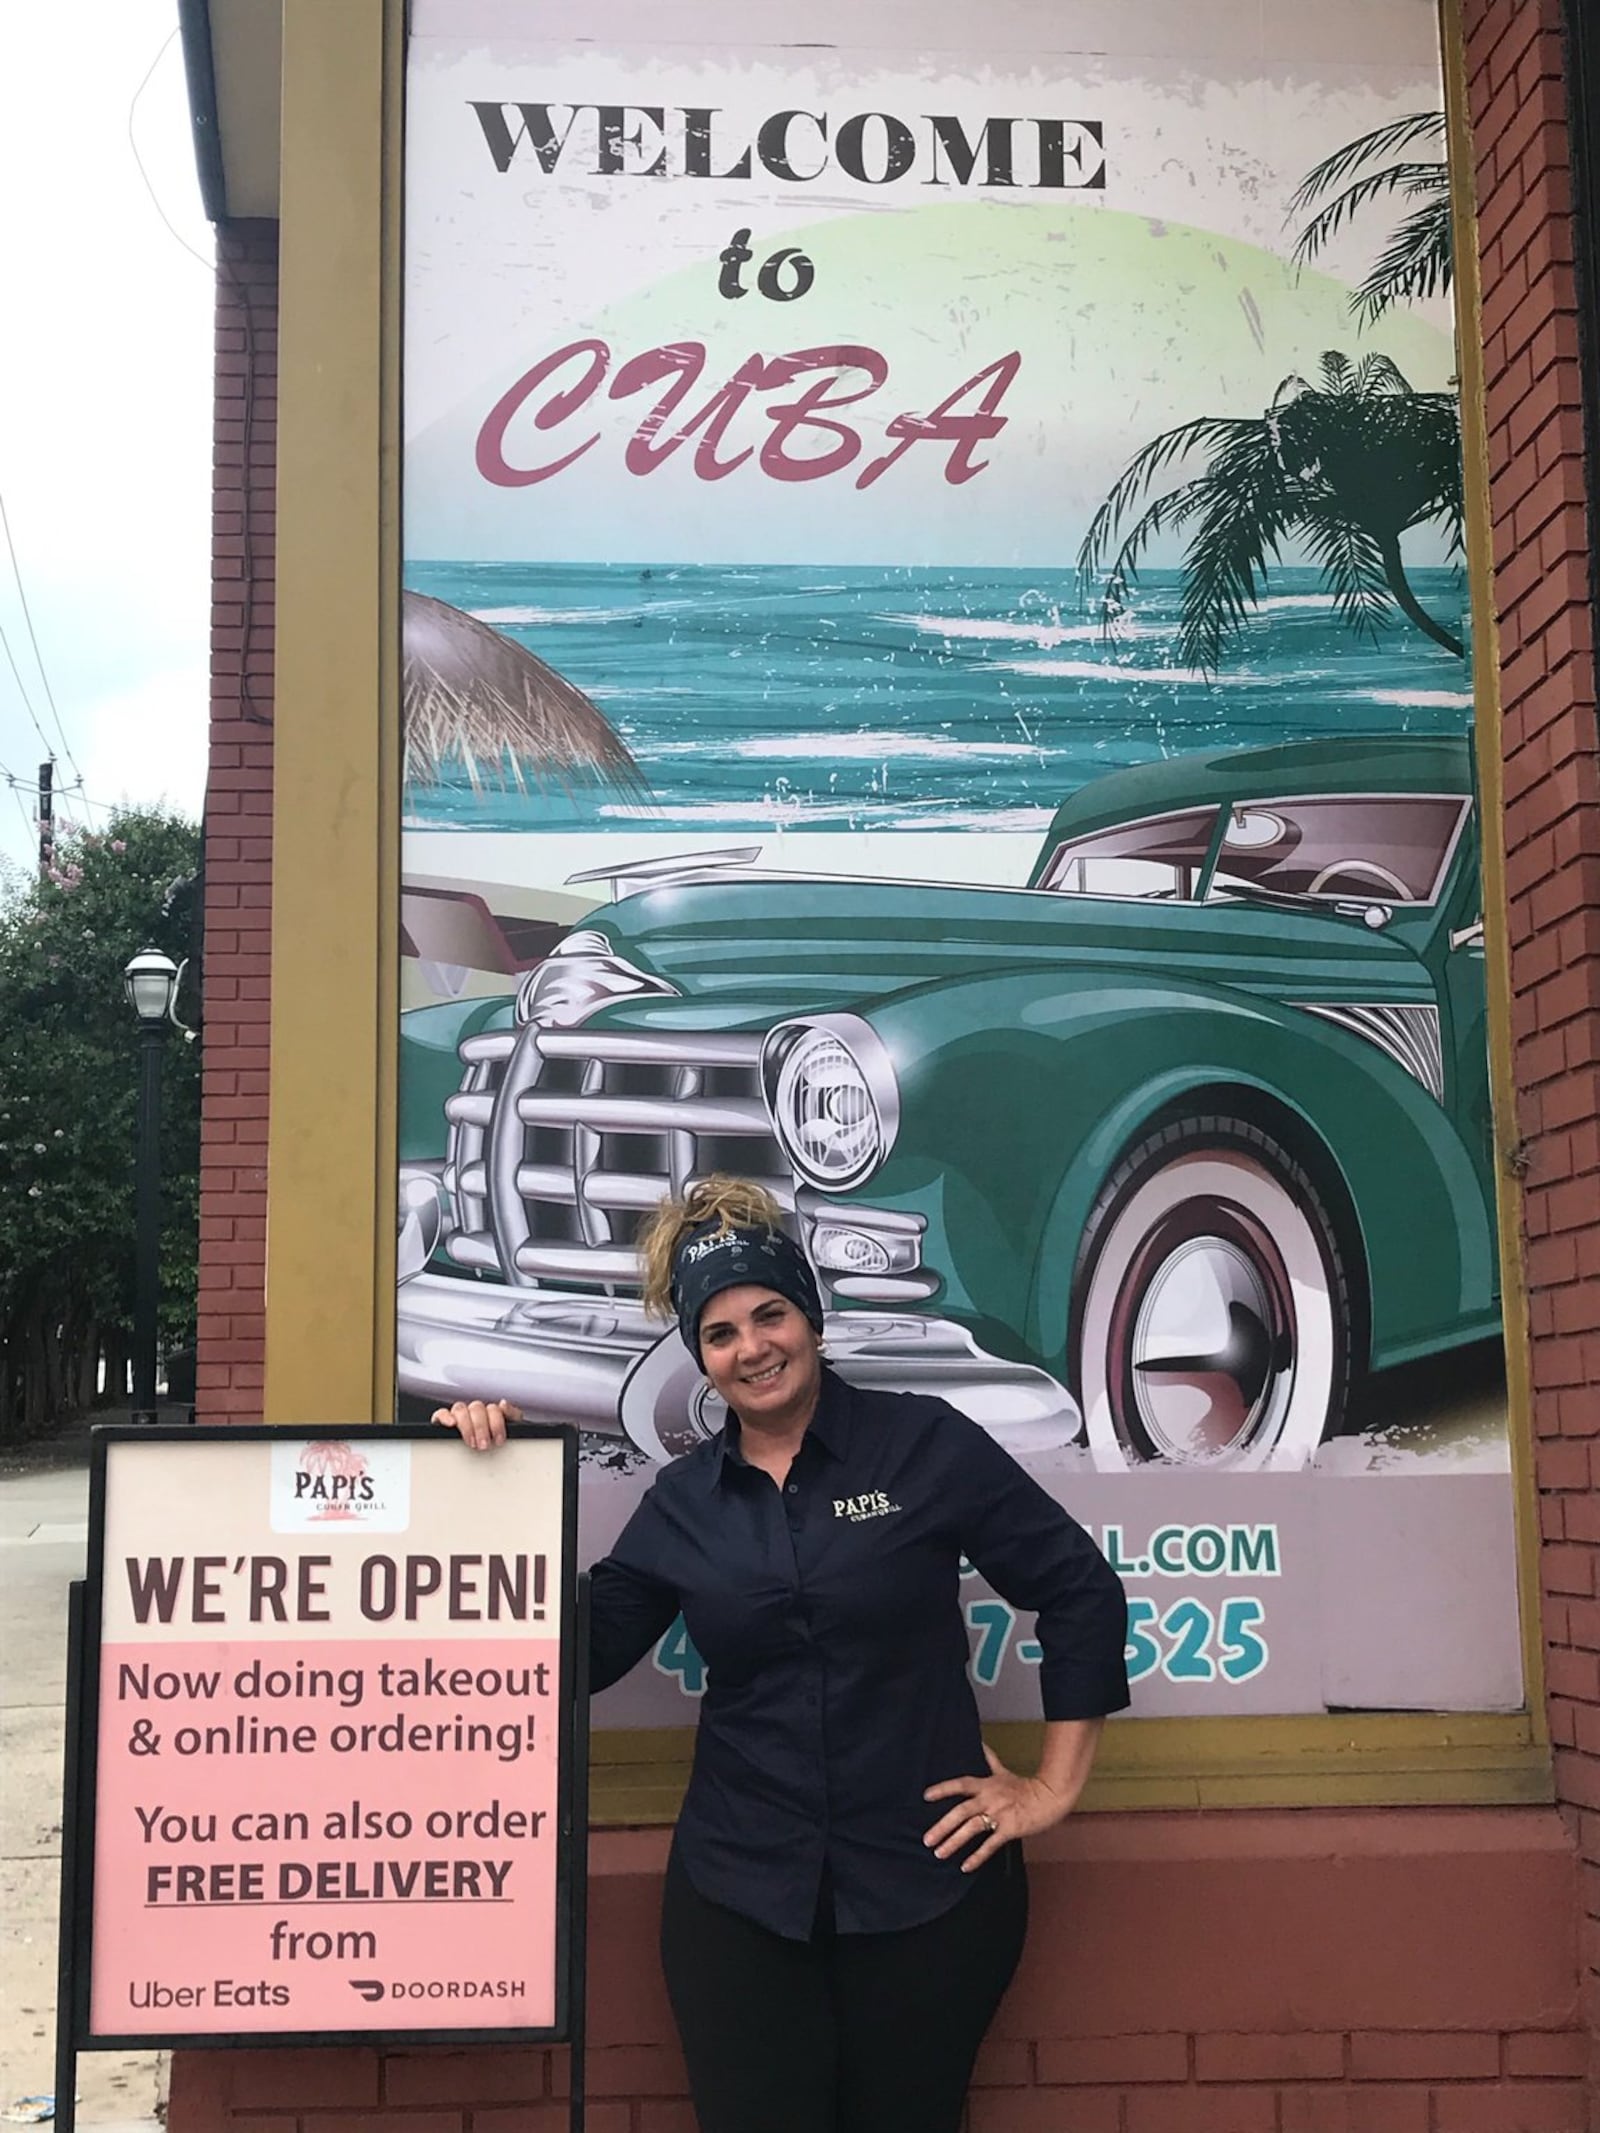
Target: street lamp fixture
<point>149,982</point>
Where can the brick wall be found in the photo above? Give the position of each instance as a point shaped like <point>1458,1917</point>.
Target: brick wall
<point>238,831</point>
<point>1534,400</point>
<point>1400,1971</point>
<point>1369,2081</point>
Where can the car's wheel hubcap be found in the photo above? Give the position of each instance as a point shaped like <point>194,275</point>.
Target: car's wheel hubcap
<point>1206,1346</point>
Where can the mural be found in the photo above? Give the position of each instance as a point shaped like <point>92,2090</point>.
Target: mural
<point>935,676</point>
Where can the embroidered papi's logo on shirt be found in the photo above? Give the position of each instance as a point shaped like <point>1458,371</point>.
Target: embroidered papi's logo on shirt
<point>858,1508</point>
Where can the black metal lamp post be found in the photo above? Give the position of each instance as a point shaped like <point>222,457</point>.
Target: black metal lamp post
<point>149,981</point>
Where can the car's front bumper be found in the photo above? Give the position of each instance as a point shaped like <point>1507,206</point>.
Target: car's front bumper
<point>568,1358</point>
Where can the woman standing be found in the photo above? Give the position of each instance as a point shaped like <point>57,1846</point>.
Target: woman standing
<point>845,1901</point>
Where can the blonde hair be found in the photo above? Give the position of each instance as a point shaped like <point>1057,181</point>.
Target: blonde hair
<point>738,1203</point>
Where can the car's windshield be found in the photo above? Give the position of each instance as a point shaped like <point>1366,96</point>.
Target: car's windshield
<point>1385,848</point>
<point>1162,857</point>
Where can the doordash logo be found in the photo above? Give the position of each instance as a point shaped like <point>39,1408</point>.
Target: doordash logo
<point>325,1483</point>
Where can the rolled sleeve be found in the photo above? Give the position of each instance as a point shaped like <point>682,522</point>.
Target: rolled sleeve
<point>1037,1556</point>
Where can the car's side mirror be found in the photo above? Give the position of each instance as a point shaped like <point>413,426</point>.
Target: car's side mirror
<point>1468,936</point>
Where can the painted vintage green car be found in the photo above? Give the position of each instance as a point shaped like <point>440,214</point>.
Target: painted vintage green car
<point>1161,1152</point>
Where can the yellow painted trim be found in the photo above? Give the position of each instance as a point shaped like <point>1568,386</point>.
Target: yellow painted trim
<point>1490,755</point>
<point>330,1174</point>
<point>386,1122</point>
<point>1364,1760</point>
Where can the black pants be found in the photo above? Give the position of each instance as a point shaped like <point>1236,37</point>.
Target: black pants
<point>845,2032</point>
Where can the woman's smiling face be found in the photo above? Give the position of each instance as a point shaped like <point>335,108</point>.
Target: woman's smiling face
<point>761,1354</point>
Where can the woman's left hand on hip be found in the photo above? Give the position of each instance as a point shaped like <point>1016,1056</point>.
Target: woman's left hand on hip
<point>996,1809</point>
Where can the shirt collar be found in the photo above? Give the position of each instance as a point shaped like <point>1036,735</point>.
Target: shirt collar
<point>830,1426</point>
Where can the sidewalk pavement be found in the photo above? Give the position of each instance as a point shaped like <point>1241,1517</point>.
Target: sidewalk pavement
<point>44,1503</point>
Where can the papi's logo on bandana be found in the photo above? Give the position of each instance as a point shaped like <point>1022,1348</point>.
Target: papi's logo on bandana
<point>703,1247</point>
<point>330,1483</point>
<point>858,1508</point>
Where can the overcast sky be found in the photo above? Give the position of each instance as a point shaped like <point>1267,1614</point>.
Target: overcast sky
<point>105,410</point>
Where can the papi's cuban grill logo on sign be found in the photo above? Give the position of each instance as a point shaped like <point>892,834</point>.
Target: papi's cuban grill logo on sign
<point>331,1482</point>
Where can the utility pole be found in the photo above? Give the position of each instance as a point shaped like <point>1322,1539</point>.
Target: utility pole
<point>47,820</point>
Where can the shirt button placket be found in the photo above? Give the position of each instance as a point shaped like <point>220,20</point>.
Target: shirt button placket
<point>812,1699</point>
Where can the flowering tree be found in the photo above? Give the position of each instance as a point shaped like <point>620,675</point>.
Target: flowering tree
<point>68,1091</point>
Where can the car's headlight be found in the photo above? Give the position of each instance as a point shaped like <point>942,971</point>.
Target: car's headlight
<point>581,975</point>
<point>835,1104</point>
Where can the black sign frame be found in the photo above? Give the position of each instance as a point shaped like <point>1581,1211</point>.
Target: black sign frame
<point>74,2029</point>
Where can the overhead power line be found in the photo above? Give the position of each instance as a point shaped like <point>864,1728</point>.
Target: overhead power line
<point>22,808</point>
<point>38,656</point>
<point>74,793</point>
<point>45,741</point>
<point>133,144</point>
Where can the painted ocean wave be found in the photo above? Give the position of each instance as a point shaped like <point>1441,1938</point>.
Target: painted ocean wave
<point>1114,671</point>
<point>824,698</point>
<point>1425,699</point>
<point>1046,635</point>
<point>936,747</point>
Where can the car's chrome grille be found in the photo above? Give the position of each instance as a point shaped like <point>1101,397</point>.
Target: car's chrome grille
<point>561,1141</point>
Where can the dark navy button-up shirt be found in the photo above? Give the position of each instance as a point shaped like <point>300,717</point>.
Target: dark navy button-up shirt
<point>828,1614</point>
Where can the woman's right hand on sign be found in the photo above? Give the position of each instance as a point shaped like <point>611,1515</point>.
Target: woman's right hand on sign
<point>480,1424</point>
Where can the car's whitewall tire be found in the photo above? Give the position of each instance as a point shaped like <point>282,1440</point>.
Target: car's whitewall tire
<point>1213,1323</point>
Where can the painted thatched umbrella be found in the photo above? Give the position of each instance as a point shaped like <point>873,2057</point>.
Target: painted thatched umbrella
<point>474,698</point>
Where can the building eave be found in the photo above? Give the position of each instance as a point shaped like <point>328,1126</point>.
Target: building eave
<point>232,55</point>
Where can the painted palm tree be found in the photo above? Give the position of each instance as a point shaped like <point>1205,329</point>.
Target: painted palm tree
<point>1345,467</point>
<point>1384,165</point>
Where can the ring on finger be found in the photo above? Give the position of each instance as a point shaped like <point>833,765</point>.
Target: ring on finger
<point>988,1822</point>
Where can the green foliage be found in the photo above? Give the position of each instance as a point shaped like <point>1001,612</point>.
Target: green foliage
<point>1346,466</point>
<point>69,1046</point>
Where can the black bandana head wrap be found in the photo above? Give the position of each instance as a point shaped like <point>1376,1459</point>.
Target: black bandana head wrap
<point>718,1256</point>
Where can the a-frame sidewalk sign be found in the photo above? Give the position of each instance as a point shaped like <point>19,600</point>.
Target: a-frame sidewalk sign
<point>326,1770</point>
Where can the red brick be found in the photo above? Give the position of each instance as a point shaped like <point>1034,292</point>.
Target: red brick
<point>1564,1568</point>
<point>1003,2064</point>
<point>1565,1466</point>
<point>1512,2107</point>
<point>486,2074</point>
<point>658,2116</point>
<point>1548,2052</point>
<point>318,2080</point>
<point>1577,1779</point>
<point>1367,2109</point>
<point>1423,2055</point>
<point>1153,2058</point>
<point>1207,2110</point>
<point>534,2118</point>
<point>1046,2111</point>
<point>628,2070</point>
<point>384,2122</point>
<point>1296,2056</point>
